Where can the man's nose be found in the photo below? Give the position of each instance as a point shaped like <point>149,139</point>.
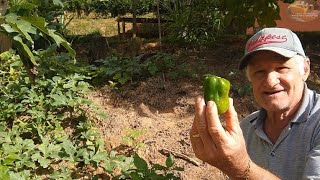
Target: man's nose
<point>272,79</point>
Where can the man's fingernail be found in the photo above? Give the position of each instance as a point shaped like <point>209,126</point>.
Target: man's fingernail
<point>210,103</point>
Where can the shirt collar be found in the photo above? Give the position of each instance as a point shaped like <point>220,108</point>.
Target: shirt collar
<point>305,107</point>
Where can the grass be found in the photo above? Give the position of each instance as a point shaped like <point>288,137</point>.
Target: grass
<point>105,27</point>
<point>92,24</point>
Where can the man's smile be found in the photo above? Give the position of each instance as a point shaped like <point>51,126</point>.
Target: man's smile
<point>274,92</point>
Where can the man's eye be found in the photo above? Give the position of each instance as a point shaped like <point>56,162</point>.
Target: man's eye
<point>283,69</point>
<point>259,72</point>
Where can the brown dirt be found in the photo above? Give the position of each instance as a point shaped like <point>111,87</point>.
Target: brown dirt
<point>163,109</point>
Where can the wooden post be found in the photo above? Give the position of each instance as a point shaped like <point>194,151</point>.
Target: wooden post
<point>123,29</point>
<point>5,41</point>
<point>119,32</point>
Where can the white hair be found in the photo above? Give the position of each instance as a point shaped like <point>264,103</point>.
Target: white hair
<point>297,58</point>
<point>300,62</point>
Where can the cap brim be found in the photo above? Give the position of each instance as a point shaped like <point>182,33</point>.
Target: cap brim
<point>283,52</point>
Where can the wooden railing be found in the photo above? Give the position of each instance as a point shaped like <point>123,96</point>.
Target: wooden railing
<point>124,20</point>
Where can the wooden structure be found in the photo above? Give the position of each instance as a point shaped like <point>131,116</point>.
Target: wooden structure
<point>121,23</point>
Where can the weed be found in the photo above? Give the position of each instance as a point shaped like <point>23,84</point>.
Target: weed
<point>132,138</point>
<point>121,70</point>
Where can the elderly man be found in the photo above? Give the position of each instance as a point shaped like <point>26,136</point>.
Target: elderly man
<point>282,139</point>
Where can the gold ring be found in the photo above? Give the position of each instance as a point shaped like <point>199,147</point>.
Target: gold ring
<point>195,135</point>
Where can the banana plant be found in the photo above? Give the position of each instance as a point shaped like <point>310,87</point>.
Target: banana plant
<point>30,33</point>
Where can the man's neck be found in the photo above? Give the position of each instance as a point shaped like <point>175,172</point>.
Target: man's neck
<point>274,125</point>
<point>276,122</point>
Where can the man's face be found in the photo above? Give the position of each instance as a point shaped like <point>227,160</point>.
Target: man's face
<point>276,81</point>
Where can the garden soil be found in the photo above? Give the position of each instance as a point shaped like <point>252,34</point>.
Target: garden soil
<point>160,110</point>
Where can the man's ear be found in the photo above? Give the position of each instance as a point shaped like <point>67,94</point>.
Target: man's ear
<point>306,69</point>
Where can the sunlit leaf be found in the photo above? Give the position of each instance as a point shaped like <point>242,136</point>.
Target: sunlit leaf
<point>58,2</point>
<point>4,173</point>
<point>26,49</point>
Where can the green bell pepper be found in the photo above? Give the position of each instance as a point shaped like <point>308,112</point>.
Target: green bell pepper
<point>217,89</point>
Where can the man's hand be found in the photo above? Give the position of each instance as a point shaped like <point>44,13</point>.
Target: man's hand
<point>221,147</point>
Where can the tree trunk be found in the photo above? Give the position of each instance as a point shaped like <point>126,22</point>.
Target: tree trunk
<point>5,41</point>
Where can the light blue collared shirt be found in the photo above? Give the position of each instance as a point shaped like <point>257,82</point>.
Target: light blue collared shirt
<point>296,153</point>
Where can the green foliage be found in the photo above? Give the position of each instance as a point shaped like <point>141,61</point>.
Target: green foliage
<point>51,10</point>
<point>163,63</point>
<point>118,161</point>
<point>199,22</point>
<point>47,94</point>
<point>33,119</point>
<point>46,129</point>
<point>132,138</point>
<point>245,13</point>
<point>106,7</point>
<point>25,30</point>
<point>122,69</point>
<point>157,171</point>
<point>242,89</point>
<point>195,21</point>
<point>30,31</point>
<point>48,125</point>
<point>79,6</point>
<point>119,7</point>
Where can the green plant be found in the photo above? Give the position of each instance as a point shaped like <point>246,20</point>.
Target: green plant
<point>118,161</point>
<point>156,171</point>
<point>118,69</point>
<point>202,21</point>
<point>123,69</point>
<point>25,27</point>
<point>244,15</point>
<point>46,119</point>
<point>195,22</point>
<point>49,124</point>
<point>33,121</point>
<point>105,7</point>
<point>163,63</point>
<point>132,138</point>
<point>244,90</point>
